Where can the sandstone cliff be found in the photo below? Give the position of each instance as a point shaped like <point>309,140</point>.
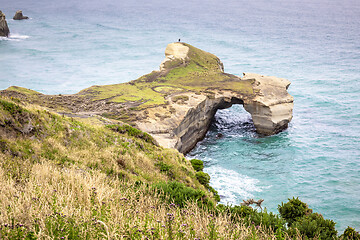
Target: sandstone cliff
<point>4,29</point>
<point>177,103</point>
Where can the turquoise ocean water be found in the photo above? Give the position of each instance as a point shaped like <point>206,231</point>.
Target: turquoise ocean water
<point>70,45</point>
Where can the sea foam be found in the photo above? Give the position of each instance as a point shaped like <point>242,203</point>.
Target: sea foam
<point>14,37</point>
<point>233,186</point>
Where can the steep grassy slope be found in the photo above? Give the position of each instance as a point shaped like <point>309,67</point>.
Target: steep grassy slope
<point>34,135</point>
<point>62,178</point>
<point>65,179</point>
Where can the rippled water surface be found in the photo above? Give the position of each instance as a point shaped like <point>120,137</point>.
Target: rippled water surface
<point>70,45</point>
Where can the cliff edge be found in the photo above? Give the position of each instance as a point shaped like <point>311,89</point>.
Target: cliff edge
<point>176,103</point>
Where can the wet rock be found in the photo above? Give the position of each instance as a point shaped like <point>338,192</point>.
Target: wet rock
<point>4,29</point>
<point>19,16</point>
<point>219,135</point>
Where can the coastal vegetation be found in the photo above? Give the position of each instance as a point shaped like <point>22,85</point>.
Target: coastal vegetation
<point>200,71</point>
<point>176,103</point>
<point>67,178</point>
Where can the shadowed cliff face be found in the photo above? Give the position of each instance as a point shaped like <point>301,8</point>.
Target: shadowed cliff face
<point>177,103</point>
<point>4,29</point>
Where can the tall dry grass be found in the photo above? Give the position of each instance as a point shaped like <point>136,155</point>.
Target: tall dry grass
<point>69,180</point>
<point>56,200</point>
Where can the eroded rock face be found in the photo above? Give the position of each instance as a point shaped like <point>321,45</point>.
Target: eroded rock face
<point>271,111</point>
<point>19,16</point>
<point>175,53</point>
<point>271,108</point>
<point>4,29</point>
<point>177,103</point>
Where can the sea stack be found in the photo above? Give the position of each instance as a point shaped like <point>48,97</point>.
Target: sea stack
<point>4,29</point>
<point>19,16</point>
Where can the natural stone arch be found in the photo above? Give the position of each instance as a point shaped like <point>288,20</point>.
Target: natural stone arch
<point>177,103</point>
<point>198,120</point>
<point>266,99</point>
<point>195,124</point>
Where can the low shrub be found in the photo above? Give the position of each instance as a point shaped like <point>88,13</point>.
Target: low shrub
<point>178,193</point>
<point>197,164</point>
<point>350,234</point>
<point>314,225</point>
<point>181,98</point>
<point>293,210</point>
<point>252,217</point>
<point>163,167</point>
<point>203,178</point>
<point>216,194</point>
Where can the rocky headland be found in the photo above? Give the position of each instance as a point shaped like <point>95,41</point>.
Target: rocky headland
<point>4,29</point>
<point>176,103</point>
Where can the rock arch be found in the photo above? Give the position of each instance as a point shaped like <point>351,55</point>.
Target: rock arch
<point>268,119</point>
<point>264,97</point>
<point>197,121</point>
<point>177,103</point>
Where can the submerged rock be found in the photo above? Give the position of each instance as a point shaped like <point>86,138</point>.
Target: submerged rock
<point>219,135</point>
<point>19,16</point>
<point>177,103</point>
<point>4,29</point>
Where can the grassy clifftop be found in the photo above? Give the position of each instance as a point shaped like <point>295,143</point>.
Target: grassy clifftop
<point>200,71</point>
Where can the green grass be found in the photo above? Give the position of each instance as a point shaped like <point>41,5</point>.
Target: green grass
<point>23,90</point>
<point>67,179</point>
<point>10,107</point>
<point>114,149</point>
<point>201,72</point>
<point>168,89</point>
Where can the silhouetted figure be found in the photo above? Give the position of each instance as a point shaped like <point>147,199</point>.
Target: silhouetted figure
<point>179,39</point>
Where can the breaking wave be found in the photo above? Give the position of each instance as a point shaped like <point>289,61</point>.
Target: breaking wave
<point>233,186</point>
<point>14,37</point>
